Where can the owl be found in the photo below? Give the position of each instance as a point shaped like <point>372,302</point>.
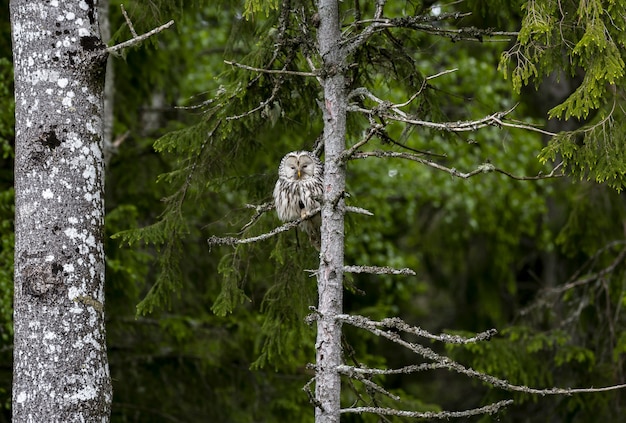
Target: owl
<point>298,191</point>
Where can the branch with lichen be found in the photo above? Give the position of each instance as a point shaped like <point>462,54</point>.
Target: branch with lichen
<point>483,168</point>
<point>447,363</point>
<point>439,415</point>
<point>137,39</point>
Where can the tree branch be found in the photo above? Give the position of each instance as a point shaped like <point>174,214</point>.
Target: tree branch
<point>447,363</point>
<point>270,71</point>
<point>375,270</point>
<point>384,107</point>
<point>136,40</point>
<point>488,409</point>
<point>399,324</point>
<point>215,240</point>
<point>483,168</point>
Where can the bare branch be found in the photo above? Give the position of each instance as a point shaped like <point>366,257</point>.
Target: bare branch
<point>368,383</point>
<point>484,168</point>
<point>344,369</point>
<point>447,363</point>
<point>128,22</point>
<point>139,39</point>
<point>260,209</point>
<point>399,324</point>
<point>386,109</point>
<point>375,270</point>
<point>359,210</point>
<point>270,71</point>
<point>412,22</point>
<point>215,240</point>
<point>488,409</point>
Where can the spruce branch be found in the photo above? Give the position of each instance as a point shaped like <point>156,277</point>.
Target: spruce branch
<point>138,39</point>
<point>376,270</point>
<point>483,168</point>
<point>488,409</point>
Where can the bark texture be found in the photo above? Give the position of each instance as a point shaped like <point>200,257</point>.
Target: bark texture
<point>330,277</point>
<point>60,371</point>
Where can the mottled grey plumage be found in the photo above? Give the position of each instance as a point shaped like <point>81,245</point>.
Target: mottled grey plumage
<point>298,191</point>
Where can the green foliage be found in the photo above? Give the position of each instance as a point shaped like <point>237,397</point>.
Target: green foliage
<point>582,40</point>
<point>595,153</point>
<point>253,7</point>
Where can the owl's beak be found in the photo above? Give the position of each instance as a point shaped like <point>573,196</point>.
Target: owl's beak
<point>299,173</point>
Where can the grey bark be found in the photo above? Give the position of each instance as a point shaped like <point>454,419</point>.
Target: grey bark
<point>330,276</point>
<point>60,370</point>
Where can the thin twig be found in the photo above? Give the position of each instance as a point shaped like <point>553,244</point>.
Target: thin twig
<point>260,210</point>
<point>128,22</point>
<point>484,168</point>
<point>139,39</point>
<point>270,71</point>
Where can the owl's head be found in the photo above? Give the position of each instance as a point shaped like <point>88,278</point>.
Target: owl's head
<point>300,165</point>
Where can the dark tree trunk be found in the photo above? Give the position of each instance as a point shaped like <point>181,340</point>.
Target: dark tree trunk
<point>60,371</point>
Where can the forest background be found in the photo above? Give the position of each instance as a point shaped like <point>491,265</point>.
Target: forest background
<point>199,334</point>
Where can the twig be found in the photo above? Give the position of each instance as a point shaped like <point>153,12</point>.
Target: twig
<point>139,39</point>
<point>270,71</point>
<point>359,210</point>
<point>128,22</point>
<point>484,168</point>
<point>260,210</point>
<point>307,388</point>
<point>488,409</point>
<point>346,370</point>
<point>375,270</point>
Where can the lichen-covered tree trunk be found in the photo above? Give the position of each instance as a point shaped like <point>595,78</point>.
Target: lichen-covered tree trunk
<point>330,277</point>
<point>60,371</point>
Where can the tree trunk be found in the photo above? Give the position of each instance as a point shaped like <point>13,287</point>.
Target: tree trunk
<point>330,277</point>
<point>60,370</point>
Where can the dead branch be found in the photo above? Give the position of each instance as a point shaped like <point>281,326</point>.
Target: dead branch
<point>414,368</point>
<point>270,71</point>
<point>399,324</point>
<point>388,110</point>
<point>447,363</point>
<point>483,168</point>
<point>128,22</point>
<point>215,240</point>
<point>260,210</point>
<point>138,39</point>
<point>488,409</point>
<point>375,270</point>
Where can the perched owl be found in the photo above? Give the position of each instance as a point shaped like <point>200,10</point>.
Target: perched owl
<point>298,191</point>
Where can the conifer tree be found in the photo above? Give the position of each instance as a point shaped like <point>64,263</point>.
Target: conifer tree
<point>373,42</point>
